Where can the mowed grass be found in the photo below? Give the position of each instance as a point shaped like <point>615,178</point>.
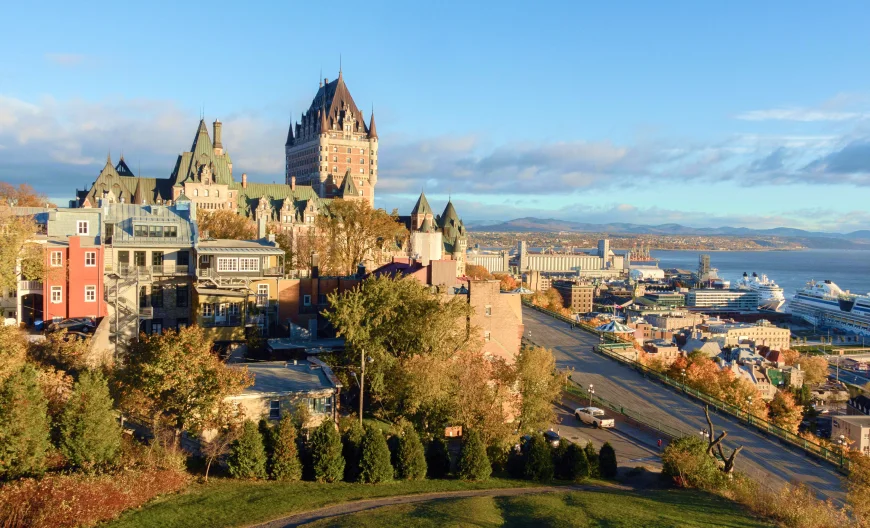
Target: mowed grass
<point>226,502</point>
<point>611,509</point>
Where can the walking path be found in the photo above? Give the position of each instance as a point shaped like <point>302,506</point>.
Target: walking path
<point>327,512</point>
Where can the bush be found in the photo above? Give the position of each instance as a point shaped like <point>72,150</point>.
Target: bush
<point>24,425</point>
<point>473,462</point>
<point>575,463</point>
<point>499,457</point>
<point>437,458</point>
<point>592,460</point>
<point>411,460</point>
<point>351,440</point>
<point>539,459</point>
<point>247,458</point>
<point>375,464</point>
<point>686,463</point>
<point>607,461</point>
<point>560,459</point>
<point>90,436</point>
<point>285,457</point>
<point>326,460</point>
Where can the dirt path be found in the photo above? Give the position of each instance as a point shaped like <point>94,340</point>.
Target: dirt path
<point>297,519</point>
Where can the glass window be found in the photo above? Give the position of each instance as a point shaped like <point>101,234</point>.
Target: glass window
<point>143,297</point>
<point>348,150</point>
<point>156,258</point>
<point>274,409</point>
<point>123,257</point>
<point>488,310</point>
<point>183,258</point>
<point>182,294</point>
<point>157,326</point>
<point>56,294</point>
<point>347,160</point>
<point>249,264</point>
<point>217,193</point>
<point>486,336</point>
<point>306,300</point>
<point>90,259</point>
<point>140,231</point>
<point>139,258</point>
<point>205,192</point>
<point>56,259</point>
<point>227,264</point>
<point>321,298</point>
<point>262,294</point>
<point>90,294</point>
<point>155,231</point>
<point>157,296</point>
<point>180,323</point>
<point>207,310</point>
<point>82,227</point>
<point>170,231</point>
<point>196,192</point>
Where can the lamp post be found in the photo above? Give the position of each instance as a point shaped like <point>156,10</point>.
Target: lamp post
<point>362,382</point>
<point>591,392</point>
<point>683,374</point>
<point>749,409</point>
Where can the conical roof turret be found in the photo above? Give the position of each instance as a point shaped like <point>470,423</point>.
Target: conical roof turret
<point>373,131</point>
<point>289,135</point>
<point>138,198</point>
<point>422,207</point>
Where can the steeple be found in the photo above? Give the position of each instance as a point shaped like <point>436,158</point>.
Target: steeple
<point>373,131</point>
<point>201,138</point>
<point>289,133</point>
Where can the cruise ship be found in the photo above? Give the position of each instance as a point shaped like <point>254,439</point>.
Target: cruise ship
<point>825,304</point>
<point>770,295</point>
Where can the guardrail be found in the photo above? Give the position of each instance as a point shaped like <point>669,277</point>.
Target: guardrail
<point>834,456</point>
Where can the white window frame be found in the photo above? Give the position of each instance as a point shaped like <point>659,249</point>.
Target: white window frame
<point>262,294</point>
<point>83,227</point>
<point>90,293</point>
<point>306,300</point>
<point>249,264</point>
<point>90,259</point>
<point>487,310</point>
<point>227,264</point>
<point>59,291</point>
<point>59,255</point>
<point>208,310</point>
<point>487,336</point>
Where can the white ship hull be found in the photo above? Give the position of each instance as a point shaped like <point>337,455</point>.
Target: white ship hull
<point>825,305</point>
<point>771,304</point>
<point>770,295</point>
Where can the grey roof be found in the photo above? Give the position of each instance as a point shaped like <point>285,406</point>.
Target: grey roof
<point>189,164</point>
<point>125,216</point>
<point>279,377</point>
<point>224,246</point>
<point>348,187</point>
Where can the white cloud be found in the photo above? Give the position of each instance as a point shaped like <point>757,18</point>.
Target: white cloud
<point>800,114</point>
<point>66,59</point>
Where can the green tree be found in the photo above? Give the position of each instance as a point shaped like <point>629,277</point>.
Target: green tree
<point>175,377</point>
<point>375,462</point>
<point>285,458</point>
<point>539,459</point>
<point>473,461</point>
<point>437,458</point>
<point>592,460</point>
<point>247,458</point>
<point>269,434</point>
<point>352,233</point>
<point>411,460</point>
<point>686,462</point>
<point>327,462</point>
<point>560,460</point>
<point>351,440</point>
<point>13,351</point>
<point>576,464</point>
<point>90,434</point>
<point>20,256</point>
<point>540,384</point>
<point>24,425</point>
<point>607,461</point>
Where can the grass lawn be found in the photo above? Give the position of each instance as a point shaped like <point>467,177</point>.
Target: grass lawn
<point>612,509</point>
<point>226,502</point>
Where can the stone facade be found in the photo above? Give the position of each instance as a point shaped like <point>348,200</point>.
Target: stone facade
<point>498,317</point>
<point>575,296</point>
<point>332,143</point>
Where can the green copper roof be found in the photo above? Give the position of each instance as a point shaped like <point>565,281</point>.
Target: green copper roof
<point>348,188</point>
<point>422,207</point>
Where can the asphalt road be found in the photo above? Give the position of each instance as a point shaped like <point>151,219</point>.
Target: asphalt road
<point>847,376</point>
<point>764,458</point>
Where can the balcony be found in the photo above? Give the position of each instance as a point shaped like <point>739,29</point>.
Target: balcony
<point>277,271</point>
<point>146,312</point>
<point>25,287</point>
<point>145,272</point>
<point>220,321</point>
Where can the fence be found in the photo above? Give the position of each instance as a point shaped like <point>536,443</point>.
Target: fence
<point>834,456</point>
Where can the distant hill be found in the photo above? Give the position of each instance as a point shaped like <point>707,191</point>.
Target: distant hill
<point>812,239</point>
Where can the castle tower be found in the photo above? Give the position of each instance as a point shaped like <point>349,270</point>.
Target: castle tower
<point>333,140</point>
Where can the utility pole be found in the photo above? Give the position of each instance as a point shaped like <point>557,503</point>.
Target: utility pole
<point>362,384</point>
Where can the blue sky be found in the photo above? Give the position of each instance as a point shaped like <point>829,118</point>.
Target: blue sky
<point>647,112</point>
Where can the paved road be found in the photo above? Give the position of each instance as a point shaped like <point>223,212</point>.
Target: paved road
<point>847,376</point>
<point>764,458</point>
<point>357,506</point>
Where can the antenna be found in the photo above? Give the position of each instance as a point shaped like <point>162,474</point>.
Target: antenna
<point>339,63</point>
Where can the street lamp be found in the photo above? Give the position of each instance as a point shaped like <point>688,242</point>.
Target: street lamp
<point>749,408</point>
<point>591,392</point>
<point>683,374</point>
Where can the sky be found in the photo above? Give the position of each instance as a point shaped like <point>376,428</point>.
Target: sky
<point>751,114</point>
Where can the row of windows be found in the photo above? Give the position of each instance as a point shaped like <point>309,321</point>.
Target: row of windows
<point>57,294</point>
<point>155,231</point>
<point>314,405</point>
<point>182,296</point>
<point>238,264</point>
<point>346,160</point>
<point>221,309</point>
<point>362,151</point>
<point>217,193</point>
<point>57,259</point>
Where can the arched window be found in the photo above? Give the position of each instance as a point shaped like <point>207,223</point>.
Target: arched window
<point>196,192</point>
<point>217,193</point>
<point>205,192</point>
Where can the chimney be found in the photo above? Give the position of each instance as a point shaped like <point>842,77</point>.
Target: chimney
<point>272,238</point>
<point>293,183</point>
<point>244,180</point>
<point>218,146</point>
<point>315,265</point>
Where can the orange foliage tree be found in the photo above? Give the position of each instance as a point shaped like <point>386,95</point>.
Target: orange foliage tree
<point>508,283</point>
<point>473,271</point>
<point>226,223</point>
<point>22,196</point>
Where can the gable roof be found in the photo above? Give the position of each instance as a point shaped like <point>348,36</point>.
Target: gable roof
<point>348,188</point>
<point>189,165</point>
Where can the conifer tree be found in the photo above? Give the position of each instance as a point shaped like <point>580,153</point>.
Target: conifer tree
<point>285,458</point>
<point>24,425</point>
<point>592,460</point>
<point>560,460</point>
<point>326,460</point>
<point>576,464</point>
<point>351,440</point>
<point>247,458</point>
<point>411,459</point>
<point>90,436</point>
<point>473,461</point>
<point>607,461</point>
<point>374,466</point>
<point>437,458</point>
<point>539,459</point>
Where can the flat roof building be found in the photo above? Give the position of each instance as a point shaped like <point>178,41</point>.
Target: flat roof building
<point>720,299</point>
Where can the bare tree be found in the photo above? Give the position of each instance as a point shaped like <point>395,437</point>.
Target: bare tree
<point>716,444</point>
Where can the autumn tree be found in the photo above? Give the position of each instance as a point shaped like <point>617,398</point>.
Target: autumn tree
<point>539,384</point>
<point>225,223</point>
<point>815,369</point>
<point>89,431</point>
<point>22,196</point>
<point>352,232</point>
<point>789,356</point>
<point>21,258</point>
<point>475,272</point>
<point>507,283</point>
<point>785,412</point>
<point>24,425</point>
<point>225,424</point>
<point>858,488</point>
<point>175,377</point>
<point>13,351</point>
<point>484,396</point>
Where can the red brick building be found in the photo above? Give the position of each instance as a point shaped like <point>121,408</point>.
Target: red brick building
<point>74,279</point>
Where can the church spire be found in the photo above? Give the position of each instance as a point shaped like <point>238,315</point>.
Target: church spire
<point>290,133</point>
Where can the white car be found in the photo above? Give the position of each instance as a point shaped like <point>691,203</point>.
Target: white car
<point>594,417</point>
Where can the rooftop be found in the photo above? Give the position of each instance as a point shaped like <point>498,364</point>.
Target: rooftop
<point>280,377</point>
<point>238,246</point>
<point>863,421</point>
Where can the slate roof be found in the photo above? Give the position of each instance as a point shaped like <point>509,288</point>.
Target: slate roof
<point>189,165</point>
<point>422,207</point>
<point>277,194</point>
<point>333,97</point>
<point>348,187</point>
<point>125,216</point>
<point>124,187</point>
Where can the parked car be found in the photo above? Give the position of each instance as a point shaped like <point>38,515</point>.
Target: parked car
<point>594,417</point>
<point>553,438</point>
<point>75,324</point>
